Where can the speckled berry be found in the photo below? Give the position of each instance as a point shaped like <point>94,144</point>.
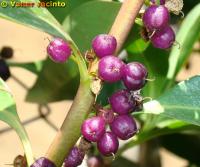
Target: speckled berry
<point>93,128</point>
<point>122,102</point>
<point>164,38</point>
<point>75,158</point>
<point>104,45</point>
<point>108,144</point>
<point>59,50</point>
<point>43,162</point>
<point>134,75</point>
<point>124,127</point>
<point>110,68</point>
<point>156,17</point>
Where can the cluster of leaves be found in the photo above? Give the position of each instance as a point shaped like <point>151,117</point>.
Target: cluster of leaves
<point>174,110</point>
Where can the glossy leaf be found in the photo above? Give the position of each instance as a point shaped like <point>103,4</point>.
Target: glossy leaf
<point>186,37</point>
<point>8,114</point>
<point>34,67</point>
<point>39,18</point>
<point>94,20</point>
<point>155,60</point>
<point>60,13</point>
<point>55,82</point>
<point>182,102</point>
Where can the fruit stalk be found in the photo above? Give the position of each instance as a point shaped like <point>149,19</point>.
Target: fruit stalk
<point>69,133</point>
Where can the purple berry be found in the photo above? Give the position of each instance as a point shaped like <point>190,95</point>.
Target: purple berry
<point>108,144</point>
<point>93,128</point>
<point>110,68</point>
<point>122,103</point>
<point>107,115</point>
<point>59,50</point>
<point>43,162</point>
<point>124,127</point>
<point>75,158</point>
<point>156,17</point>
<point>162,2</point>
<point>134,75</point>
<point>104,45</point>
<point>94,161</point>
<point>164,38</point>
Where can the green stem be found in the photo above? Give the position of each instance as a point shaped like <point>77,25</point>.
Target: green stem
<point>69,133</point>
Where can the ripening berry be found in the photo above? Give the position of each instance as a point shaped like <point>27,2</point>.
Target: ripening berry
<point>122,103</point>
<point>75,158</point>
<point>124,127</point>
<point>134,75</point>
<point>59,50</point>
<point>43,162</point>
<point>108,144</point>
<point>110,68</point>
<point>162,2</point>
<point>93,128</point>
<point>104,45</point>
<point>156,17</point>
<point>164,38</point>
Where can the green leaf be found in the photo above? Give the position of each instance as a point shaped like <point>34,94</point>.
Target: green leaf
<point>34,67</point>
<point>8,114</point>
<point>96,17</point>
<point>61,13</point>
<point>55,82</point>
<point>182,102</point>
<point>156,62</point>
<point>186,37</point>
<point>39,18</point>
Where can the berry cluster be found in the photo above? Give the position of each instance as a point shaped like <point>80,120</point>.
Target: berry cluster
<point>156,21</point>
<point>122,126</point>
<point>110,69</point>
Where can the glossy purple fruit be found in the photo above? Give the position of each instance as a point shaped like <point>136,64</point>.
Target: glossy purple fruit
<point>43,162</point>
<point>93,128</point>
<point>104,45</point>
<point>134,75</point>
<point>122,103</point>
<point>124,127</point>
<point>107,115</point>
<point>156,17</point>
<point>75,158</point>
<point>108,144</point>
<point>164,38</point>
<point>59,50</point>
<point>110,69</point>
<point>162,2</point>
